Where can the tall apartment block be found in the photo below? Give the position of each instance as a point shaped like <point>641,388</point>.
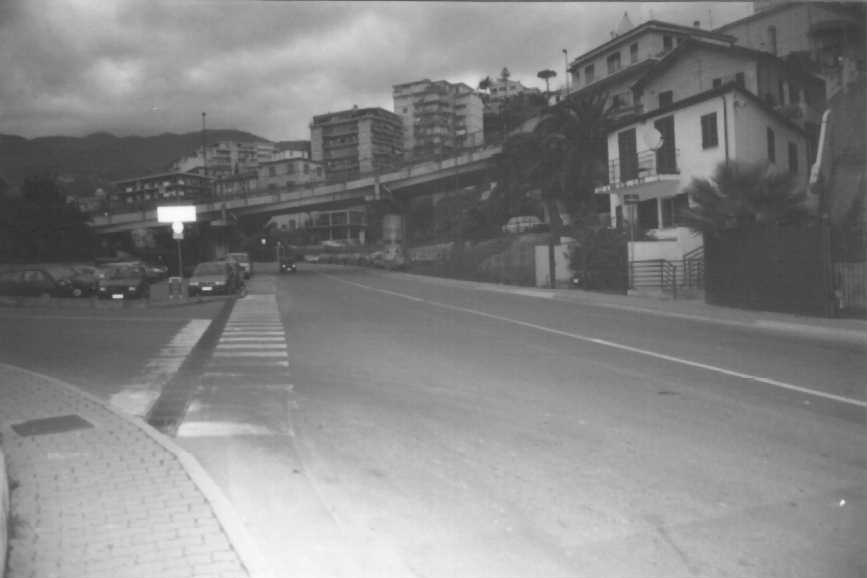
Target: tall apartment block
<point>356,141</point>
<point>438,117</point>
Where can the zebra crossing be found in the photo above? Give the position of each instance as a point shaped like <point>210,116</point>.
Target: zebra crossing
<point>244,388</point>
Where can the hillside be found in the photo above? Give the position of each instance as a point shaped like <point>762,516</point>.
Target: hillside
<point>99,158</point>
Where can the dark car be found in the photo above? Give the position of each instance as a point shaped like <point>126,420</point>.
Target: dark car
<point>42,281</point>
<point>214,278</point>
<point>87,276</point>
<point>124,281</point>
<point>156,271</point>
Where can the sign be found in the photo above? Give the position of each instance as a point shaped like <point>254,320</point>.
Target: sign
<point>631,199</point>
<point>176,214</point>
<point>177,230</point>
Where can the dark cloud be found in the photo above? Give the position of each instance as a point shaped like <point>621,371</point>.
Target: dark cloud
<point>130,67</point>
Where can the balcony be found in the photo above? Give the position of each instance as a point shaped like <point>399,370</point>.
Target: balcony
<point>640,168</point>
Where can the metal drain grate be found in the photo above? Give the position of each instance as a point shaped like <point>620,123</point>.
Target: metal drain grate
<point>51,425</point>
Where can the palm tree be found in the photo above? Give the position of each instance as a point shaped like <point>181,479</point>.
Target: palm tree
<point>742,194</point>
<point>561,158</point>
<point>546,75</point>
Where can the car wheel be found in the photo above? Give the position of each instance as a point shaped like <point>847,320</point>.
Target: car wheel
<point>77,292</point>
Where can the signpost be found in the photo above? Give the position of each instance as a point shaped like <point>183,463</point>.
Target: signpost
<point>177,215</point>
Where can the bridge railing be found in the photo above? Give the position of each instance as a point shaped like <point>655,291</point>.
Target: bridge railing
<point>108,216</point>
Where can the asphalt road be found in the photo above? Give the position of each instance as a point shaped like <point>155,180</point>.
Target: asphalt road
<point>370,424</point>
<point>427,430</point>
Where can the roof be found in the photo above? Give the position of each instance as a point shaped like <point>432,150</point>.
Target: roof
<point>637,68</point>
<point>638,30</point>
<point>688,46</point>
<point>707,95</point>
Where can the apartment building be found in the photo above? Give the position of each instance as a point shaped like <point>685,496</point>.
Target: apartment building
<point>163,188</point>
<point>827,37</point>
<point>356,141</point>
<point>502,89</point>
<point>226,157</point>
<point>284,174</point>
<point>631,52</point>
<point>438,117</point>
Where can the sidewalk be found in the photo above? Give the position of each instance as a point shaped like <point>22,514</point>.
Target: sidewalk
<point>98,494</point>
<point>850,331</point>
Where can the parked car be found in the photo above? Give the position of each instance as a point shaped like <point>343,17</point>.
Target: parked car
<point>156,271</point>
<point>88,276</point>
<point>42,281</point>
<point>214,278</point>
<point>124,281</point>
<point>244,260</point>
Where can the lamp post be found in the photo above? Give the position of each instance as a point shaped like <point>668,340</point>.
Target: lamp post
<point>566,68</point>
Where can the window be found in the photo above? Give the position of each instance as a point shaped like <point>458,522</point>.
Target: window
<point>717,82</point>
<point>613,62</point>
<point>666,98</point>
<point>666,43</point>
<point>588,73</point>
<point>772,150</point>
<point>739,79</point>
<point>272,172</point>
<point>793,157</point>
<point>633,53</point>
<point>772,39</point>
<point>709,134</point>
<point>617,101</point>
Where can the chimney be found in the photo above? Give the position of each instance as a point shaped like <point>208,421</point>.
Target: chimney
<point>696,23</point>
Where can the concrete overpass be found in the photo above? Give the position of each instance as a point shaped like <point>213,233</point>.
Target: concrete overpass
<point>405,182</point>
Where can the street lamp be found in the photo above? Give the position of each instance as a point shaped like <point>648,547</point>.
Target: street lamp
<point>566,67</point>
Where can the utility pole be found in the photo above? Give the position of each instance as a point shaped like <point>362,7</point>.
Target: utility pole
<point>566,68</point>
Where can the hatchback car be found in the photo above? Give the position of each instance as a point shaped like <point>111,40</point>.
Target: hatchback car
<point>213,278</point>
<point>41,281</point>
<point>124,281</point>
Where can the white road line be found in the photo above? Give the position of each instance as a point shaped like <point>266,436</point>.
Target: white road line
<point>220,429</point>
<point>233,339</point>
<point>620,346</point>
<point>253,346</point>
<point>250,354</point>
<point>137,397</point>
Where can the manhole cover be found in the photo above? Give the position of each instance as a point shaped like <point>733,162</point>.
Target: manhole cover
<point>50,425</point>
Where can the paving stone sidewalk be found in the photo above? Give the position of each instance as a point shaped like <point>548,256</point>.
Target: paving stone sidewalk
<point>107,497</point>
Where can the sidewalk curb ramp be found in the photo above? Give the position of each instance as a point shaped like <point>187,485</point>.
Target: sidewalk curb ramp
<point>229,520</point>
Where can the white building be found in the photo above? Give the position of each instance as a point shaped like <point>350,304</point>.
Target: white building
<point>438,117</point>
<point>654,156</point>
<point>226,157</point>
<point>283,174</point>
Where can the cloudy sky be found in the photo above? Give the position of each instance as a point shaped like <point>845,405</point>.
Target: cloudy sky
<point>143,67</point>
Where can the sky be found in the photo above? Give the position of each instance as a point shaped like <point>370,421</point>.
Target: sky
<point>133,67</point>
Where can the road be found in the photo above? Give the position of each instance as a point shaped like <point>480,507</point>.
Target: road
<point>369,424</point>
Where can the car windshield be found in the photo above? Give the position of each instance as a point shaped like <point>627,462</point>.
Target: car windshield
<point>210,269</point>
<point>123,272</point>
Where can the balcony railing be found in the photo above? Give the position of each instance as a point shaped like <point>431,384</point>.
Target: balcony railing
<point>642,165</point>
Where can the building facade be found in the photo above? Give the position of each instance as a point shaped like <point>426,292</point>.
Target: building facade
<point>438,117</point>
<point>827,37</point>
<point>654,156</point>
<point>284,174</point>
<point>631,52</point>
<point>356,141</point>
<point>225,157</point>
<point>150,191</point>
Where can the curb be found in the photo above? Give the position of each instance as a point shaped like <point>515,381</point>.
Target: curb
<point>848,336</point>
<point>36,303</point>
<point>4,512</point>
<point>231,523</point>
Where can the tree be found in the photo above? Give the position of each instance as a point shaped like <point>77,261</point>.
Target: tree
<point>742,194</point>
<point>546,75</point>
<point>485,84</point>
<point>45,226</point>
<point>561,158</point>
